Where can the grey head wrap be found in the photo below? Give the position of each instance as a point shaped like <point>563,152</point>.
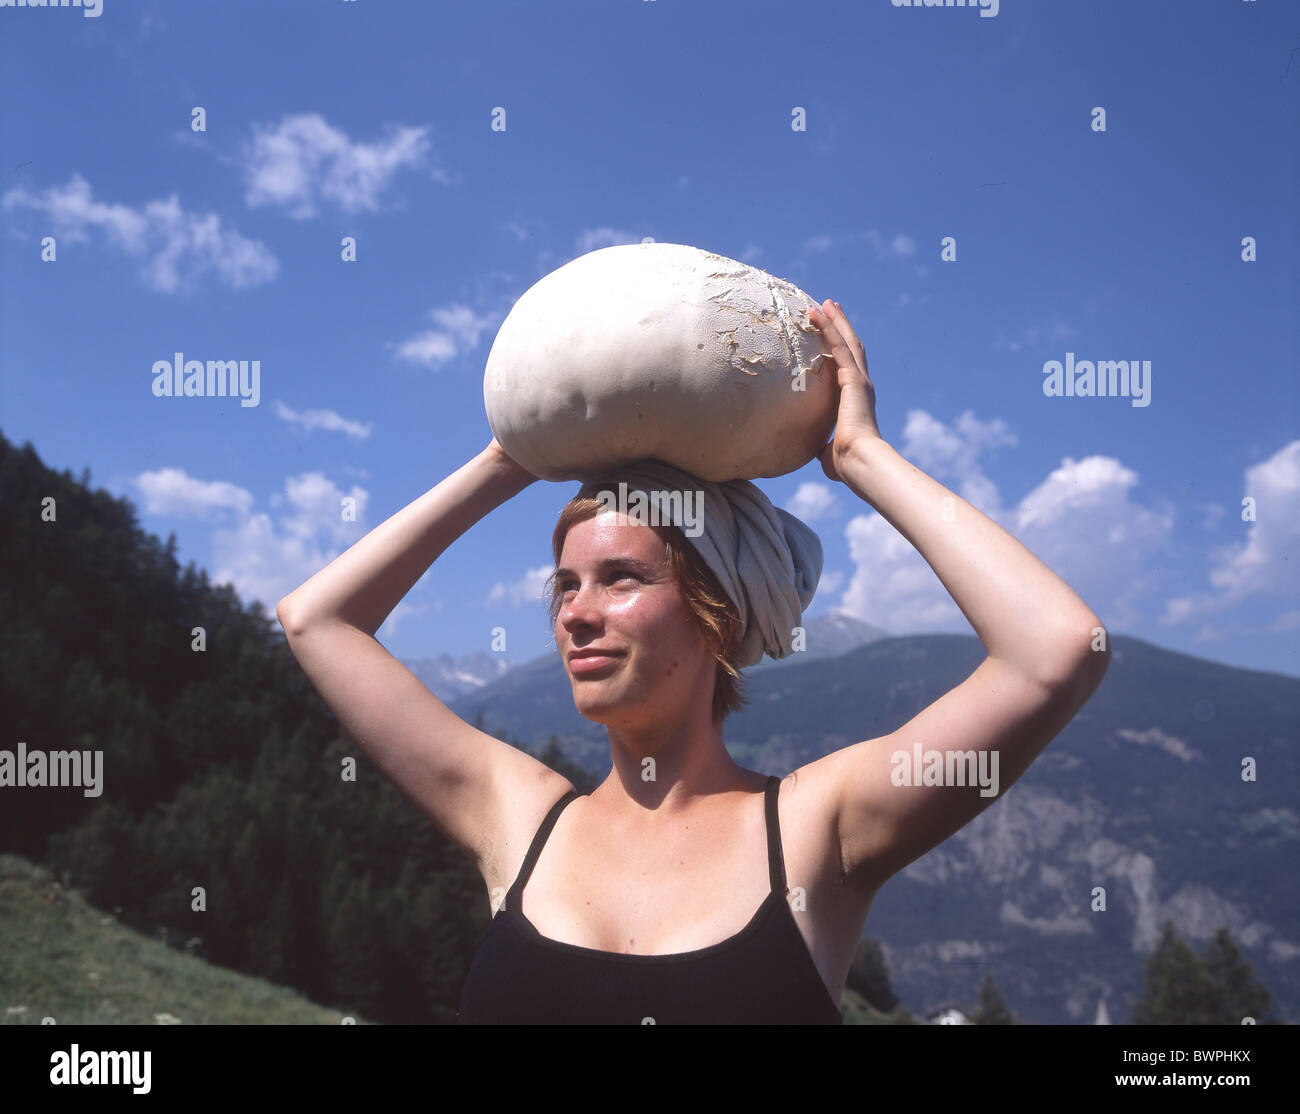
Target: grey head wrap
<point>767,561</point>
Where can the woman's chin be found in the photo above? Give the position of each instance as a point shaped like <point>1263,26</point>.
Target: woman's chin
<point>595,709</point>
<point>607,710</point>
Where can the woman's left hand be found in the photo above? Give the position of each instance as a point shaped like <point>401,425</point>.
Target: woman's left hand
<point>856,420</point>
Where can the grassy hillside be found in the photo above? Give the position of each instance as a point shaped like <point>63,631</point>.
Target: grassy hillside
<point>66,960</point>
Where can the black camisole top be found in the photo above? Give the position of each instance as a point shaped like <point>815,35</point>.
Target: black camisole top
<point>764,975</point>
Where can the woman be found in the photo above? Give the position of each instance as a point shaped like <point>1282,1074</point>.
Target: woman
<point>685,888</point>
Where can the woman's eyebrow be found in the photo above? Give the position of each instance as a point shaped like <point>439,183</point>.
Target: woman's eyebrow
<point>609,562</point>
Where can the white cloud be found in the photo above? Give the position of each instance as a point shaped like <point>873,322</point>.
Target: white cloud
<point>811,501</point>
<point>264,556</point>
<point>902,246</point>
<point>954,452</point>
<point>1079,521</point>
<point>1209,633</point>
<point>830,581</point>
<point>527,589</point>
<point>308,420</point>
<point>897,246</point>
<point>171,491</point>
<point>302,162</point>
<point>402,612</point>
<point>1036,336</point>
<point>1213,514</point>
<point>459,331</point>
<point>1154,737</point>
<point>590,239</point>
<point>1260,564</point>
<point>180,246</point>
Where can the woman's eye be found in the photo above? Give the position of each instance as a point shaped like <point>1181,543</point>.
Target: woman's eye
<point>622,574</point>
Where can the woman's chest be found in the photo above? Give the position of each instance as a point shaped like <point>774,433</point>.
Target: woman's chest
<point>630,894</point>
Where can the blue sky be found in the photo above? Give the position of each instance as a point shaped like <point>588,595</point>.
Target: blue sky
<point>635,119</point>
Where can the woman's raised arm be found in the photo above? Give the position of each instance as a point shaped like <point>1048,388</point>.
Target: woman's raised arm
<point>475,788</point>
<point>1047,651</point>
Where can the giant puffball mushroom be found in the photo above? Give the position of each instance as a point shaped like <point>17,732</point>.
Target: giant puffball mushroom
<point>660,351</point>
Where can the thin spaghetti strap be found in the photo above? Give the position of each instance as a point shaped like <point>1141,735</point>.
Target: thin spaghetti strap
<point>775,856</point>
<point>535,849</point>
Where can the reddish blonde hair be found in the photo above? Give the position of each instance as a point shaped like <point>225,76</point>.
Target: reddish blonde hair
<point>714,615</point>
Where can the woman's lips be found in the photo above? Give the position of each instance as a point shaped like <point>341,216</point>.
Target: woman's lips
<point>593,663</point>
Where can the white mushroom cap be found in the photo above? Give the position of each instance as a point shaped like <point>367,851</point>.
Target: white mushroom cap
<point>660,351</point>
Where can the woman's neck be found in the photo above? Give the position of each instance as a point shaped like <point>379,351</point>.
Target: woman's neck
<point>681,777</point>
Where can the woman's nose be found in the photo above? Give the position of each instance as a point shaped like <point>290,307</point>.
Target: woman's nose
<point>580,606</point>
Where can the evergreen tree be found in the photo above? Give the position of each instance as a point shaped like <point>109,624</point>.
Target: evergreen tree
<point>870,978</point>
<point>268,933</point>
<point>354,947</point>
<point>991,1010</point>
<point>1177,990</point>
<point>1234,991</point>
<point>553,755</point>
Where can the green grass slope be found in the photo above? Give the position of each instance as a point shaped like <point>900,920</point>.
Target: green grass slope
<point>67,960</point>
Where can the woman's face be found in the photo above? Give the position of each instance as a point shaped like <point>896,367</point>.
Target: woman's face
<point>618,594</point>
